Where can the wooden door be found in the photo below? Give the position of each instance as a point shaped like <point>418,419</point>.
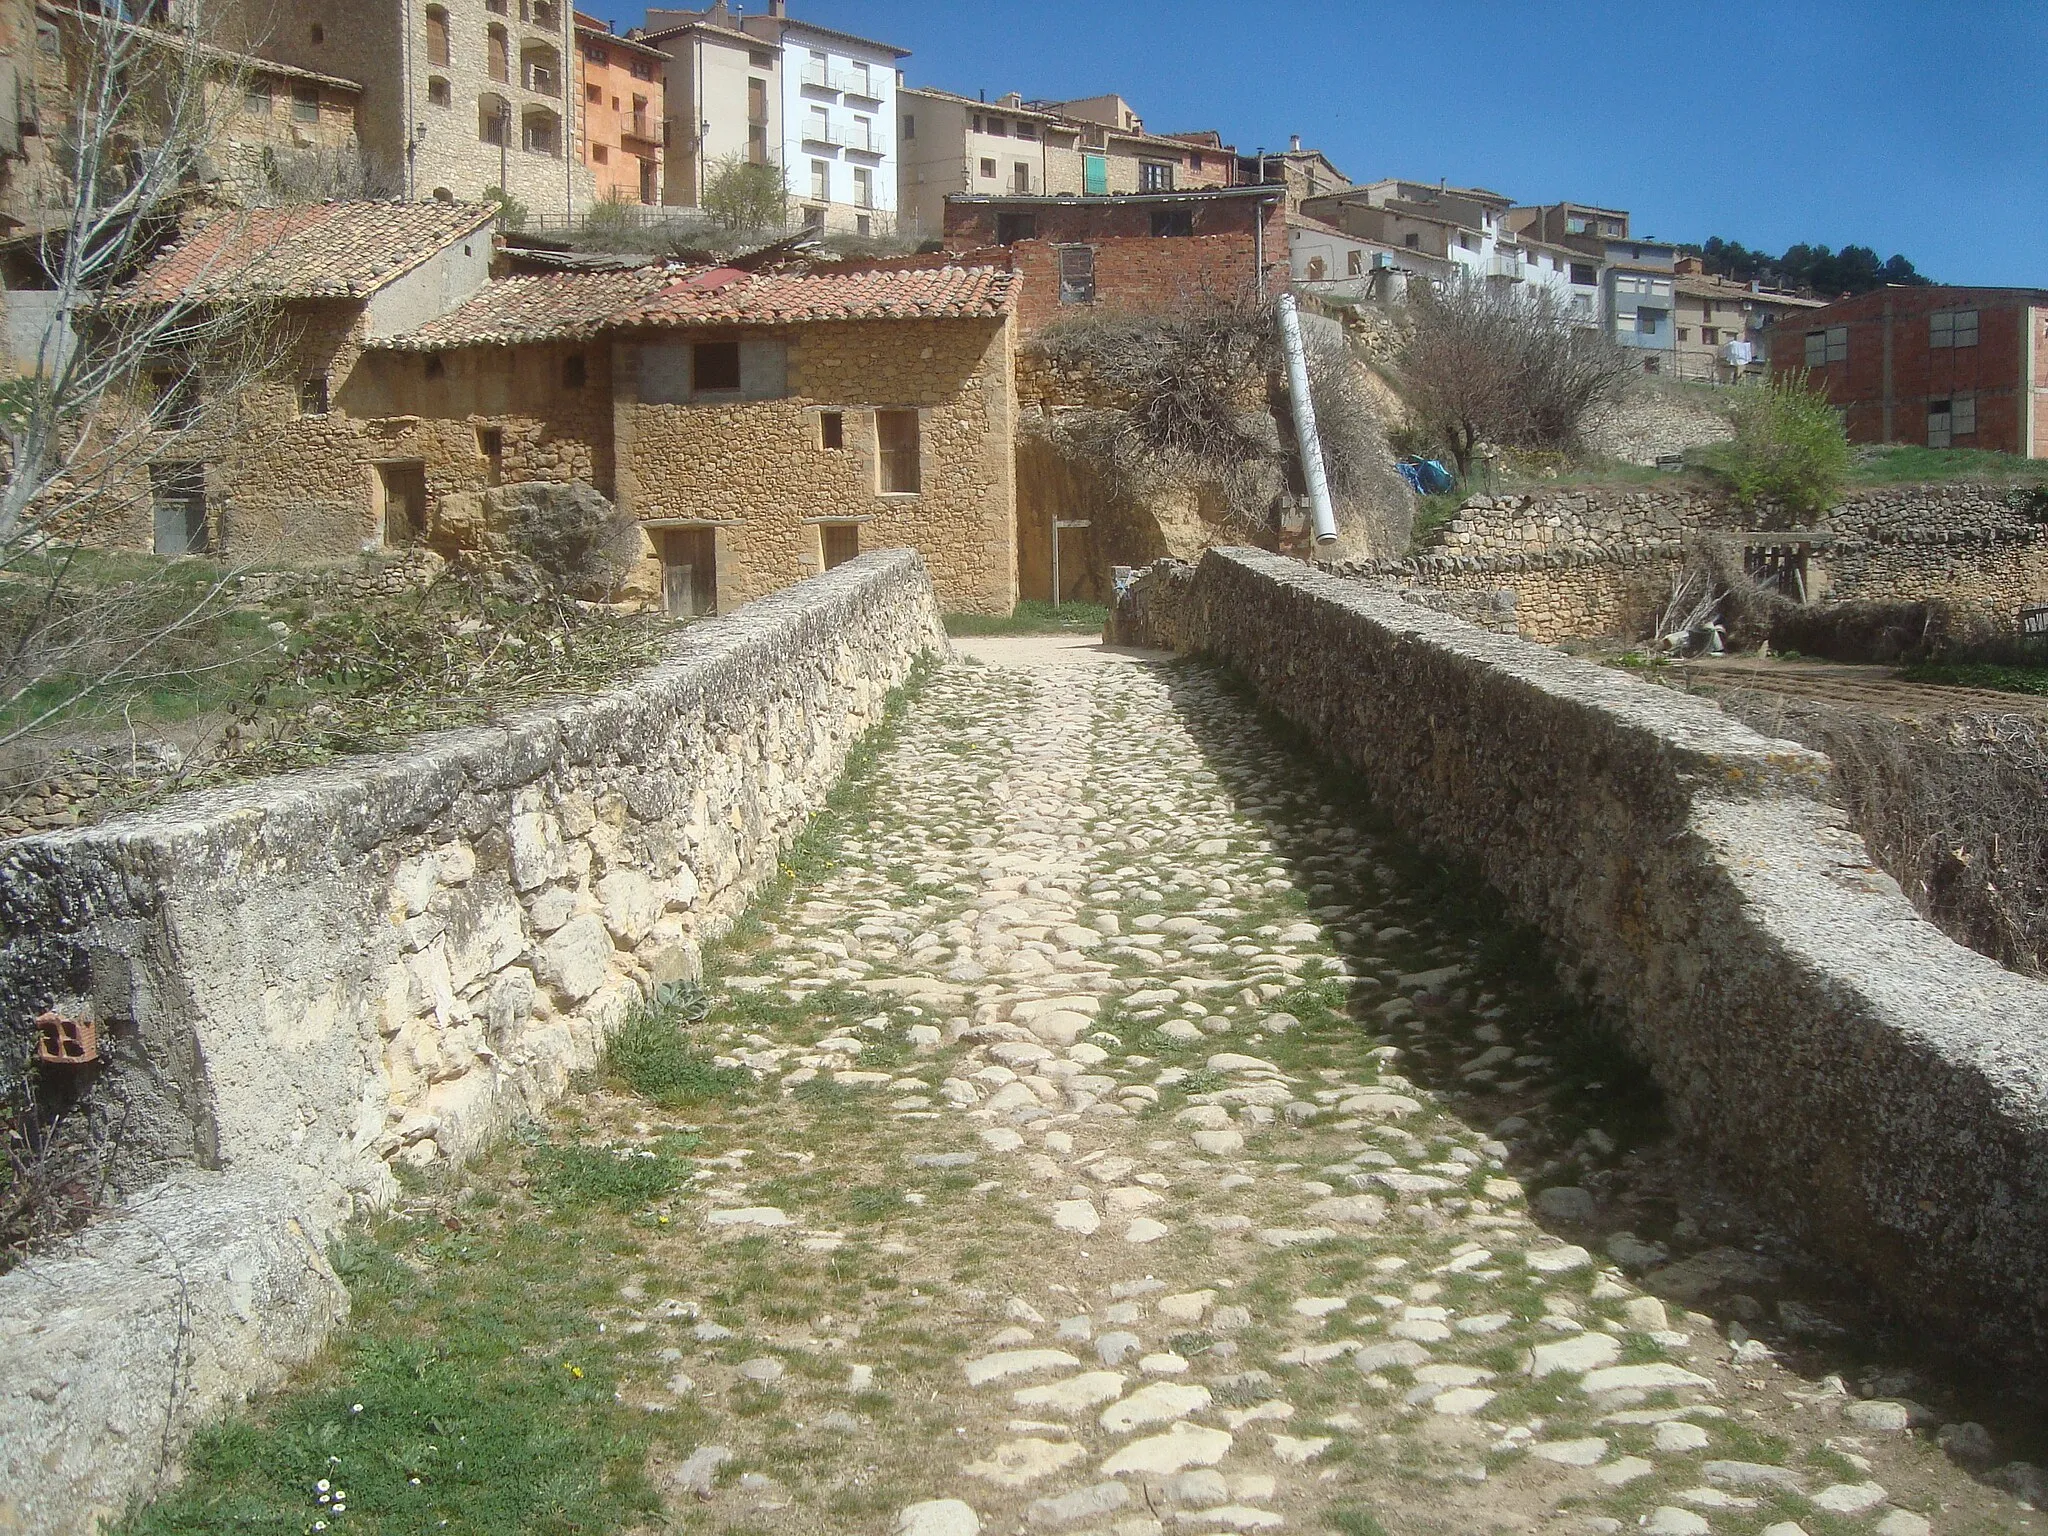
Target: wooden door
<point>403,486</point>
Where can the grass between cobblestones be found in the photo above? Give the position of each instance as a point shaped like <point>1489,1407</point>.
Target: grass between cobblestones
<point>549,1339</point>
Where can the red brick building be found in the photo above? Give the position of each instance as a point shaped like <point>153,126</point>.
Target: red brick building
<point>1136,251</point>
<point>1944,367</point>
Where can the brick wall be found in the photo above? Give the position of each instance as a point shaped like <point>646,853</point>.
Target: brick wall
<point>1994,369</point>
<point>756,471</point>
<point>1134,269</point>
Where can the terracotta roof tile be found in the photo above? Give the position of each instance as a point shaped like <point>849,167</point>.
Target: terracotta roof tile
<point>566,305</point>
<point>546,306</point>
<point>307,251</point>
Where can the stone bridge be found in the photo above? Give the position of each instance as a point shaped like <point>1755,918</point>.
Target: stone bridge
<point>1380,1077</point>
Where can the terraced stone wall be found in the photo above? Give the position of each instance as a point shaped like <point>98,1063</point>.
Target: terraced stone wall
<point>303,981</point>
<point>1882,1089</point>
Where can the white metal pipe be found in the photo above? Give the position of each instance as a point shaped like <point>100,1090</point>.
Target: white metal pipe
<point>1305,434</point>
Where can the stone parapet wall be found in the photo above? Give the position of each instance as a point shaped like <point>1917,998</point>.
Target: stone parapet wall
<point>303,981</point>
<point>1882,1089</point>
<point>1546,597</point>
<point>1596,520</point>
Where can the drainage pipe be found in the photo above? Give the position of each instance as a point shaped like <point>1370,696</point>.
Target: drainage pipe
<point>1305,434</point>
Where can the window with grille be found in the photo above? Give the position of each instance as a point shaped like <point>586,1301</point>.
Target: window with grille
<point>897,438</point>
<point>1077,274</point>
<point>1354,263</point>
<point>1952,328</point>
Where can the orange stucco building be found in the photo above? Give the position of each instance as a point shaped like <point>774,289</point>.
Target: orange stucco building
<point>618,82</point>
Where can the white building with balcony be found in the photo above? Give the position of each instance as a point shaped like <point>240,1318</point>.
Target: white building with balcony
<point>839,113</point>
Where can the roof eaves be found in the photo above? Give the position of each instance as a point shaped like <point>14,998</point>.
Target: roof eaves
<point>789,24</point>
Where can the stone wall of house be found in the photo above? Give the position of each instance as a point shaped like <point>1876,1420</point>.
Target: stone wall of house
<point>303,981</point>
<point>758,474</point>
<point>1880,1088</point>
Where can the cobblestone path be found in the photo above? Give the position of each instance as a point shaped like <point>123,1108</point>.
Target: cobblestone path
<point>1202,1134</point>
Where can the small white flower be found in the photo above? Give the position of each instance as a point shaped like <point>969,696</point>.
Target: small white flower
<point>322,1486</point>
<point>355,1408</point>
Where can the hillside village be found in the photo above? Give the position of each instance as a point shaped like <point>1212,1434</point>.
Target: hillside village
<point>741,797</point>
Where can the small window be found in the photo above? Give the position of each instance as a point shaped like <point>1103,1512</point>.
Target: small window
<point>1413,242</point>
<point>896,434</point>
<point>715,368</point>
<point>1027,130</point>
<point>1354,264</point>
<point>1952,328</point>
<point>594,94</point>
<point>1173,221</point>
<point>543,13</point>
<point>1584,275</point>
<point>319,34</point>
<point>821,181</point>
<point>1684,333</point>
<point>831,430</point>
<point>575,373</point>
<point>909,126</point>
<point>1077,274</point>
<point>760,59</point>
<point>863,187</point>
<point>313,396</point>
<point>1194,162</point>
<point>1649,322</point>
<point>256,98</point>
<point>988,170</point>
<point>305,103</point>
<point>490,447</point>
<point>997,128</point>
<point>600,153</point>
<point>1012,227</point>
<point>1838,343</point>
<point>437,36</point>
<point>838,543</point>
<point>1155,176</point>
<point>438,93</point>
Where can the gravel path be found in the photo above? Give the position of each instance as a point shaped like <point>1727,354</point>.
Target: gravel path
<point>1178,1018</point>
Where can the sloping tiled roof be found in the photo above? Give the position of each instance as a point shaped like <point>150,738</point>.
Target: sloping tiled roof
<point>308,251</point>
<point>562,306</point>
<point>548,306</point>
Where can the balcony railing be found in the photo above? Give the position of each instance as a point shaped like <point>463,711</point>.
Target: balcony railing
<point>640,126</point>
<point>847,81</point>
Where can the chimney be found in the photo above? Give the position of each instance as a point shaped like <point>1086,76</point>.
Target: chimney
<point>1294,143</point>
<point>779,9</point>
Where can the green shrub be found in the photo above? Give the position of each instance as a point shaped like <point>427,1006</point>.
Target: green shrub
<point>1790,448</point>
<point>621,1177</point>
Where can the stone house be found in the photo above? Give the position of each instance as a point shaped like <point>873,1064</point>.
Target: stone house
<point>1143,251</point>
<point>1118,154</point>
<point>285,469</point>
<point>619,84</point>
<point>459,96</point>
<point>1305,173</point>
<point>1945,367</point>
<point>762,427</point>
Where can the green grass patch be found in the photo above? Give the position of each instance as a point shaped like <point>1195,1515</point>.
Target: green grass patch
<point>652,1055</point>
<point>1996,676</point>
<point>1032,617</point>
<point>621,1177</point>
<point>1904,463</point>
<point>1355,1522</point>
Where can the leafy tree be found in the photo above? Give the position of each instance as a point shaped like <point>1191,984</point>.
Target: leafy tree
<point>1853,269</point>
<point>1790,448</point>
<point>743,195</point>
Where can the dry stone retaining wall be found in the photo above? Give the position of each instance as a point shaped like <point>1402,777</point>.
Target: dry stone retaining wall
<point>1881,1087</point>
<point>303,981</point>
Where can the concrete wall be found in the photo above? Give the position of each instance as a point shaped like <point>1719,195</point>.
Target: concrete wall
<point>1882,1089</point>
<point>304,980</point>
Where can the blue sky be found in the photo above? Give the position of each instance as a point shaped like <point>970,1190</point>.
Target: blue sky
<point>1915,126</point>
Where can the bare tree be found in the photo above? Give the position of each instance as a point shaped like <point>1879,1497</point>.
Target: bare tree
<point>115,392</point>
<point>1487,362</point>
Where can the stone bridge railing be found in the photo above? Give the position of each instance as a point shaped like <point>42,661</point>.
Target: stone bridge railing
<point>1881,1089</point>
<point>298,983</point>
